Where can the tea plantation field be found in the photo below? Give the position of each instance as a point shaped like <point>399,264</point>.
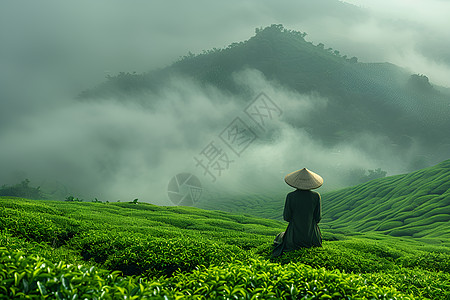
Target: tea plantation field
<point>415,205</point>
<point>81,250</point>
<point>411,205</point>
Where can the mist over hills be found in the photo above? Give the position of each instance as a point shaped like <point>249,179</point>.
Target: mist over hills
<point>336,116</point>
<point>356,114</point>
<point>381,99</point>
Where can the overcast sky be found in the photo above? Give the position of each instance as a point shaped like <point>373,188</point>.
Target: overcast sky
<point>89,38</point>
<point>52,50</point>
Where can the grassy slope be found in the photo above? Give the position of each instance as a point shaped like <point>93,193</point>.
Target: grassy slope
<point>229,253</point>
<point>262,205</point>
<point>68,218</point>
<point>414,205</point>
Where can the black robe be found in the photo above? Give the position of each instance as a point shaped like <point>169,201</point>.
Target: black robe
<point>303,211</point>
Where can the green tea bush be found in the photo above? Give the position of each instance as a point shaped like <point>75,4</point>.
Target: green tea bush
<point>417,272</point>
<point>361,256</point>
<point>33,277</point>
<point>260,279</point>
<point>389,225</point>
<point>404,232</point>
<point>180,222</point>
<point>246,243</point>
<point>333,256</point>
<point>13,243</point>
<point>28,205</point>
<point>155,257</point>
<point>421,283</point>
<point>377,249</point>
<point>138,254</point>
<point>32,226</point>
<point>37,226</point>
<point>7,240</point>
<point>433,261</point>
<point>98,245</point>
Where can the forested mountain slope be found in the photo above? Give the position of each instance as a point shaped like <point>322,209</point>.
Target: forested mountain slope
<point>375,98</point>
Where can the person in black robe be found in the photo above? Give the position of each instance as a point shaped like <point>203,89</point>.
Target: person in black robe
<point>303,212</point>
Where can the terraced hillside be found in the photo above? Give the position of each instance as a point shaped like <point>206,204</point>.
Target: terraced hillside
<point>262,205</point>
<point>70,250</point>
<point>415,204</point>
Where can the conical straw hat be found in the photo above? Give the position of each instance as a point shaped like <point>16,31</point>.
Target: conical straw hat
<point>304,179</point>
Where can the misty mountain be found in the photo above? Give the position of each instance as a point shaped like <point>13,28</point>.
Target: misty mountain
<point>376,98</point>
<point>129,136</point>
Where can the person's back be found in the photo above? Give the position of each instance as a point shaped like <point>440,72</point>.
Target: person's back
<point>302,210</point>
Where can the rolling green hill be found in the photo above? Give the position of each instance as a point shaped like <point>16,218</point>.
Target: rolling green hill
<point>68,250</point>
<point>415,205</point>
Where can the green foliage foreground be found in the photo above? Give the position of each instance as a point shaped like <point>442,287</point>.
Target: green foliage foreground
<point>30,276</point>
<point>72,250</point>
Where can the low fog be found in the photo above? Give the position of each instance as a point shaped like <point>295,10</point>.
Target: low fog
<point>112,150</point>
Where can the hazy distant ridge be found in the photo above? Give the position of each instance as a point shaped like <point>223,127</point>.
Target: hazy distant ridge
<point>364,98</point>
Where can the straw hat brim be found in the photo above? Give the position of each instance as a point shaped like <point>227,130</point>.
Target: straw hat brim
<point>304,179</point>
